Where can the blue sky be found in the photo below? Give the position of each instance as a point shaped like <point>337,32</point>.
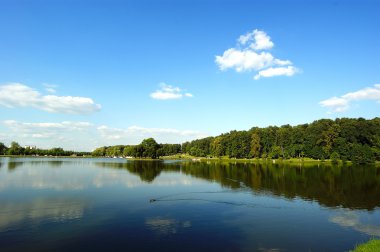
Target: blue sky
<point>82,74</point>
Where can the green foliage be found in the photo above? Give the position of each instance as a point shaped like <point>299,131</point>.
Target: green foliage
<point>370,246</point>
<point>334,157</point>
<point>255,145</point>
<point>99,152</point>
<point>148,148</point>
<point>217,147</point>
<point>276,152</point>
<point>3,149</point>
<point>199,147</point>
<point>357,140</point>
<point>362,154</point>
<point>17,149</point>
<point>318,140</point>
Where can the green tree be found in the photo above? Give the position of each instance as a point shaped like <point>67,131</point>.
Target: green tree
<point>334,157</point>
<point>217,147</point>
<point>99,152</point>
<point>129,151</point>
<point>15,149</point>
<point>276,152</point>
<point>3,149</point>
<point>362,154</point>
<point>150,147</point>
<point>255,145</point>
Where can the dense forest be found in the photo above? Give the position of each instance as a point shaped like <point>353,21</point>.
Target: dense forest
<point>357,140</point>
<point>16,149</point>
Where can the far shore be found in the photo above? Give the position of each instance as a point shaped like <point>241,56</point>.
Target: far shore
<point>205,159</point>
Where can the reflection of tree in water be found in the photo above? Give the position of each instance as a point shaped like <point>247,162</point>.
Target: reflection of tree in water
<point>350,187</point>
<point>12,165</point>
<point>333,186</point>
<point>146,170</point>
<point>55,163</point>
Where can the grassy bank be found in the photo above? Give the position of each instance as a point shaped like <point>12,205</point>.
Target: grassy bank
<point>370,246</point>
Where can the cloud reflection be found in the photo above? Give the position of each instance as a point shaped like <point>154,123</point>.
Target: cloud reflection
<point>43,175</point>
<point>351,220</point>
<point>55,210</point>
<point>166,226</point>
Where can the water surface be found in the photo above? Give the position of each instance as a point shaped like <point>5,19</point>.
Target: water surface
<point>73,204</point>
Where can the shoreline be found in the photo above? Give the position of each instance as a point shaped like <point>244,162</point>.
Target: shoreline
<point>214,159</point>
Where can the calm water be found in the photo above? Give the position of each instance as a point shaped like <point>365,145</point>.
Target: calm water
<point>119,205</point>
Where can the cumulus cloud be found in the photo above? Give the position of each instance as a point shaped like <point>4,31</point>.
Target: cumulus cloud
<point>259,40</point>
<point>245,60</point>
<point>135,134</point>
<point>85,136</point>
<point>46,129</point>
<point>276,71</point>
<point>19,95</point>
<point>167,92</point>
<point>50,88</point>
<point>342,103</point>
<point>250,56</point>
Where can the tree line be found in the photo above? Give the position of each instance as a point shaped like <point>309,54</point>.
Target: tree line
<point>16,149</point>
<point>357,140</point>
<point>148,148</point>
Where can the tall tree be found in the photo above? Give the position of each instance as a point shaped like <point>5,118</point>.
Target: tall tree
<point>255,145</point>
<point>150,147</point>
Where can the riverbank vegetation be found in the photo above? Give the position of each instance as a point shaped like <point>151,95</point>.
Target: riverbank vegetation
<point>370,246</point>
<point>148,148</point>
<point>339,140</point>
<point>356,140</point>
<point>16,150</point>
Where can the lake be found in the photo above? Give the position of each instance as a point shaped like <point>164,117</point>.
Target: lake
<point>100,204</point>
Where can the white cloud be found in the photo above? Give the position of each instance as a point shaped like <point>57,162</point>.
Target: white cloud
<point>276,71</point>
<point>249,56</point>
<point>245,60</point>
<point>282,62</point>
<point>46,126</point>
<point>50,88</point>
<point>46,129</point>
<point>342,103</point>
<point>135,134</point>
<point>167,92</point>
<point>336,104</point>
<point>260,40</point>
<point>68,135</point>
<point>18,95</point>
<point>85,136</point>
